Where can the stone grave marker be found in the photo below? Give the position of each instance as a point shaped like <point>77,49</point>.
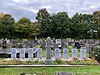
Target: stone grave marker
<point>65,53</point>
<point>83,53</point>
<point>39,53</point>
<point>64,73</point>
<point>30,53</point>
<point>13,53</point>
<point>22,53</point>
<point>57,53</point>
<point>74,53</point>
<point>48,52</point>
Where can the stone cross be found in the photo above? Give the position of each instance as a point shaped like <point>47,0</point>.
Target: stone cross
<point>48,50</point>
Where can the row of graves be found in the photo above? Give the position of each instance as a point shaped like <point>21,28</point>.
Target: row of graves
<point>33,52</point>
<point>27,48</point>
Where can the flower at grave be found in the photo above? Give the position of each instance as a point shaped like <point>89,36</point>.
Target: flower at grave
<point>75,59</point>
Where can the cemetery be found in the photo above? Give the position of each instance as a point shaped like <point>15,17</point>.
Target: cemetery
<point>52,52</point>
<point>49,37</point>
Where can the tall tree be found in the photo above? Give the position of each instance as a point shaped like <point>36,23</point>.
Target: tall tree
<point>96,23</point>
<point>60,25</point>
<point>34,29</point>
<point>22,27</point>
<point>6,25</point>
<point>81,25</point>
<point>43,18</point>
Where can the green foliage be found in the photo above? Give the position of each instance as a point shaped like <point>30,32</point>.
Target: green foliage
<point>83,62</point>
<point>96,53</point>
<point>22,27</point>
<point>57,25</point>
<point>6,26</point>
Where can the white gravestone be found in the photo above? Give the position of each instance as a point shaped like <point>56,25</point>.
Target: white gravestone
<point>13,53</point>
<point>39,53</point>
<point>83,53</point>
<point>65,53</point>
<point>22,53</point>
<point>30,53</point>
<point>57,53</point>
<point>74,53</point>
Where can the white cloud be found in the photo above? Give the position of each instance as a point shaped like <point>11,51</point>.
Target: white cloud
<point>18,1</point>
<point>31,7</point>
<point>48,7</point>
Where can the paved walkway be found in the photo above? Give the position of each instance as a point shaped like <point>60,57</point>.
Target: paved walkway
<point>39,65</point>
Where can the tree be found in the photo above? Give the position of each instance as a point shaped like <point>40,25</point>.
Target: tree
<point>6,26</point>
<point>34,29</point>
<point>96,23</point>
<point>60,25</point>
<point>22,27</point>
<point>43,19</point>
<point>81,24</point>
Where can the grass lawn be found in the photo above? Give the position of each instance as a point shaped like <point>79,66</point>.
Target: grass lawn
<point>87,70</point>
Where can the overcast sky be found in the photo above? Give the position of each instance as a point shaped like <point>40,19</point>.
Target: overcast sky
<point>29,8</point>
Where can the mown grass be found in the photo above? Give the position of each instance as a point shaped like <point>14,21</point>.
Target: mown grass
<point>88,70</point>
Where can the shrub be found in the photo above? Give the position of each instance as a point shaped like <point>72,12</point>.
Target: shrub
<point>96,53</point>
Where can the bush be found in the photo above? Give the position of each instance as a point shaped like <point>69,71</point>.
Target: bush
<point>96,53</point>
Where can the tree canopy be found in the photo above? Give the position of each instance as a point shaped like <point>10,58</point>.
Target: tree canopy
<point>56,25</point>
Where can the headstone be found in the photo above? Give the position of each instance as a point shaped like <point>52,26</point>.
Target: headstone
<point>58,41</point>
<point>65,53</point>
<point>83,53</point>
<point>64,73</point>
<point>4,44</point>
<point>39,53</point>
<point>14,43</point>
<point>13,53</point>
<point>74,53</point>
<point>48,52</point>
<point>22,53</point>
<point>57,53</point>
<point>30,53</point>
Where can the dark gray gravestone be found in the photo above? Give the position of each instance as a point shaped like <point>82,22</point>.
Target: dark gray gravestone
<point>14,43</point>
<point>57,53</point>
<point>48,51</point>
<point>65,53</point>
<point>63,73</point>
<point>83,53</point>
<point>39,53</point>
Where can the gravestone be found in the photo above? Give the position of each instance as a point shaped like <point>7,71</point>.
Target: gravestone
<point>83,53</point>
<point>4,43</point>
<point>48,52</point>
<point>22,53</point>
<point>34,52</point>
<point>39,53</point>
<point>64,73</point>
<point>57,53</point>
<point>58,41</point>
<point>74,53</point>
<point>65,53</point>
<point>30,53</point>
<point>14,43</point>
<point>13,53</point>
